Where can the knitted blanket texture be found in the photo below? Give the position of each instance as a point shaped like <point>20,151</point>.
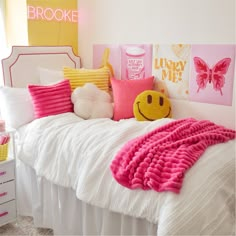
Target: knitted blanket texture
<point>159,159</point>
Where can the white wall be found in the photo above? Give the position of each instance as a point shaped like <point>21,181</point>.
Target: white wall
<point>154,21</point>
<point>160,21</point>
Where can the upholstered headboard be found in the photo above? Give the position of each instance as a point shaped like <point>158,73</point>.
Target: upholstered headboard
<point>21,67</point>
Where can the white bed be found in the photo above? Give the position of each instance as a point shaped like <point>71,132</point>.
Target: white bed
<point>85,199</point>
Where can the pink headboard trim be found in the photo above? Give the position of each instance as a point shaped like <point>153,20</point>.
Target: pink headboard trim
<point>24,54</point>
<point>19,51</point>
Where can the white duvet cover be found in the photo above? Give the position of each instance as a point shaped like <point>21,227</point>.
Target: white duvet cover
<point>76,153</point>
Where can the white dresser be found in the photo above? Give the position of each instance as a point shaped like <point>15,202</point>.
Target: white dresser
<point>8,212</point>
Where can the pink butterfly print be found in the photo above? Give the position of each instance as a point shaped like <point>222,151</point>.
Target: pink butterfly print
<point>215,75</point>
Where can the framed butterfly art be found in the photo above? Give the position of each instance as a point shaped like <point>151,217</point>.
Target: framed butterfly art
<point>212,73</point>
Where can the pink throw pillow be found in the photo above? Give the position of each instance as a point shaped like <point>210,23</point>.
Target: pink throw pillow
<point>124,94</point>
<point>51,99</point>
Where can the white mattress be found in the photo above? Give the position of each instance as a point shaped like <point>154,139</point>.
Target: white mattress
<point>73,153</point>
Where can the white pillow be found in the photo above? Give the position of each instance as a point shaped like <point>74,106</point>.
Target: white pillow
<point>16,106</point>
<point>49,76</point>
<point>90,102</point>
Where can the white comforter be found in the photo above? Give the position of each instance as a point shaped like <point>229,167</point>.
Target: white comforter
<point>76,153</point>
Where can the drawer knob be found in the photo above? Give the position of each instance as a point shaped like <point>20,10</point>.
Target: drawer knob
<point>3,213</point>
<point>3,194</point>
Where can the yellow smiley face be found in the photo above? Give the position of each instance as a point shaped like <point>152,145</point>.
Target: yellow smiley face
<point>151,105</point>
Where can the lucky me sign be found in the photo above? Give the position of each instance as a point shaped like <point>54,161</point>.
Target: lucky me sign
<point>170,70</point>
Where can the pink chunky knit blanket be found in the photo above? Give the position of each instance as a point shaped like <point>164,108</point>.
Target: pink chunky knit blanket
<point>159,159</point>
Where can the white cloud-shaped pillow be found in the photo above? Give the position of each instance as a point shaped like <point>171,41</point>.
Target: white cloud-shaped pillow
<point>90,102</point>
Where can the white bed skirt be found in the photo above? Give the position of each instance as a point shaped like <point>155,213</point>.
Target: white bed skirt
<point>57,208</point>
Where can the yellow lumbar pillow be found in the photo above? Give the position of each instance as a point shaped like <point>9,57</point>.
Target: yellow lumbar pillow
<point>79,77</point>
<point>151,105</point>
<point>99,77</point>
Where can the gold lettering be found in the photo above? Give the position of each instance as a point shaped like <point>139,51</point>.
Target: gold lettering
<point>160,63</point>
<point>172,76</point>
<point>182,65</point>
<point>176,66</point>
<point>156,66</point>
<point>169,64</point>
<point>164,74</point>
<point>180,76</point>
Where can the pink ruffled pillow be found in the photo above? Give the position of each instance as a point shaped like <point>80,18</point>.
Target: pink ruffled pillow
<point>51,99</point>
<point>124,94</point>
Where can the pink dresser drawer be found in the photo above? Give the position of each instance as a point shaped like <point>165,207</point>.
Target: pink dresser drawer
<point>7,212</point>
<point>7,191</point>
<point>7,171</point>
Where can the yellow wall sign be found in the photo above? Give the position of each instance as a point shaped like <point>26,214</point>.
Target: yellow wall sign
<point>53,22</point>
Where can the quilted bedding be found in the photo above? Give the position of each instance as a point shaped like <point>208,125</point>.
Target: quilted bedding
<point>76,153</point>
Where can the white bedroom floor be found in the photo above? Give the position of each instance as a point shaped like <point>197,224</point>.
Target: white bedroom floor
<point>24,226</point>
